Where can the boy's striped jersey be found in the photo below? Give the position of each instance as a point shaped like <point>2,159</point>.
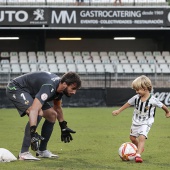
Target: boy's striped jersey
<point>144,112</point>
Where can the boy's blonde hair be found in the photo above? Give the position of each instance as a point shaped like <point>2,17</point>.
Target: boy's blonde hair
<point>142,82</point>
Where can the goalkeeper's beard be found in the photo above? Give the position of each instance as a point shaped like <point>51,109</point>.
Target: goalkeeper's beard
<point>65,92</point>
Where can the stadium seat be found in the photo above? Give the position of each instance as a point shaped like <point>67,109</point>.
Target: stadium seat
<point>41,59</point>
<point>148,53</point>
<point>85,53</point>
<point>99,68</point>
<point>71,67</point>
<point>114,59</point>
<point>53,67</point>
<point>165,53</point>
<point>15,68</point>
<point>124,61</point>
<point>119,68</point>
<point>131,57</point>
<point>50,53</point>
<point>5,65</point>
<point>23,59</point>
<point>164,68</point>
<point>94,53</point>
<point>50,59</point>
<point>32,59</point>
<point>67,53</point>
<point>33,67</point>
<point>156,53</point>
<point>103,53</point>
<point>139,53</point>
<point>25,68</point>
<point>130,53</point>
<point>127,68</point>
<point>13,53</point>
<point>109,68</point>
<point>167,59</point>
<point>141,59</point>
<point>76,53</point>
<point>136,68</point>
<point>112,53</point>
<point>4,55</point>
<point>14,59</point>
<point>78,59</point>
<point>40,53</point>
<point>133,61</point>
<point>121,53</point>
<point>88,61</point>
<point>146,68</point>
<point>57,53</point>
<point>81,68</point>
<point>43,67</point>
<point>69,59</point>
<point>59,59</point>
<point>156,68</point>
<point>96,60</point>
<point>160,59</point>
<point>30,53</point>
<point>62,68</point>
<point>105,59</point>
<point>150,58</point>
<point>90,68</point>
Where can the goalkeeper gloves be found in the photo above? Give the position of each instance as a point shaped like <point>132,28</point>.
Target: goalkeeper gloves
<point>35,137</point>
<point>65,132</point>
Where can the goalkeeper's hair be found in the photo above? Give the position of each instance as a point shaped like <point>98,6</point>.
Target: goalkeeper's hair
<point>71,78</point>
<point>142,82</point>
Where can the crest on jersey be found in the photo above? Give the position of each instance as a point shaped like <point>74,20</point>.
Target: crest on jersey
<point>147,108</point>
<point>44,97</point>
<point>26,102</point>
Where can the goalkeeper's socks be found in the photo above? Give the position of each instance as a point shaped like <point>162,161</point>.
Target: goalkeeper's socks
<point>46,132</point>
<point>27,138</point>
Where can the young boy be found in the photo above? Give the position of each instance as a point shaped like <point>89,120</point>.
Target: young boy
<point>143,116</point>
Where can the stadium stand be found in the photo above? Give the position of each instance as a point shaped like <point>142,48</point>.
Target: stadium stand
<point>90,62</point>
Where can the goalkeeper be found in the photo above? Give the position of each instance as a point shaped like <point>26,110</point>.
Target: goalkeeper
<point>31,94</point>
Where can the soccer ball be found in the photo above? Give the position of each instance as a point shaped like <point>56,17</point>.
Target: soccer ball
<point>127,151</point>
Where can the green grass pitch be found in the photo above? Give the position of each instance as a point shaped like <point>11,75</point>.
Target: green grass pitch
<point>95,145</point>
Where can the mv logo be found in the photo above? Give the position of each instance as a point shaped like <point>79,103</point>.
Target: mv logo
<point>63,17</point>
<point>39,13</point>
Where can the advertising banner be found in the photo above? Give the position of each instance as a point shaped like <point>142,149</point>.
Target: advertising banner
<point>83,18</point>
<point>119,96</point>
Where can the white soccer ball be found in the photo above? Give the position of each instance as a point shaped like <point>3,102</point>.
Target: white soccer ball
<point>127,151</point>
<point>6,156</point>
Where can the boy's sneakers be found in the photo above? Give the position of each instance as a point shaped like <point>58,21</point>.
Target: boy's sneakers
<point>27,156</point>
<point>46,154</point>
<point>138,159</point>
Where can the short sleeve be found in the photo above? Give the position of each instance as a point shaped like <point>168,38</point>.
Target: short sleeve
<point>46,92</point>
<point>131,101</point>
<point>156,102</point>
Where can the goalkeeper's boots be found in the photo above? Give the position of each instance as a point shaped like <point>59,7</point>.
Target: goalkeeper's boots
<point>138,159</point>
<point>45,154</point>
<point>27,156</point>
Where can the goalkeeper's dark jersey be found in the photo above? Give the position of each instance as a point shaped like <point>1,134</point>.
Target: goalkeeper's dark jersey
<point>40,85</point>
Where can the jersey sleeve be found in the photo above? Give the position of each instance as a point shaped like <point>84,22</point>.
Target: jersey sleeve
<point>131,101</point>
<point>45,93</point>
<point>156,102</point>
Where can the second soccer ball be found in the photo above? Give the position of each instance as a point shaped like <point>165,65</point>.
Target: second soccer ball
<point>127,151</point>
